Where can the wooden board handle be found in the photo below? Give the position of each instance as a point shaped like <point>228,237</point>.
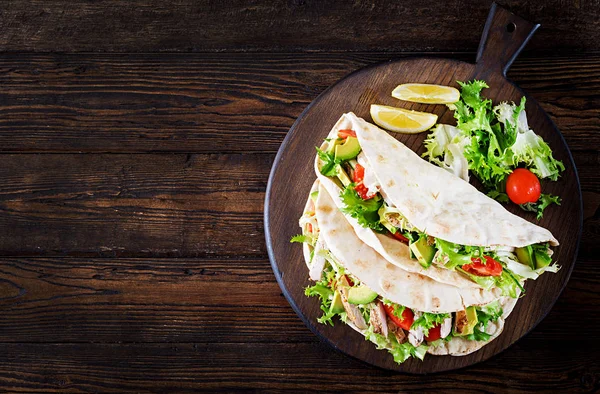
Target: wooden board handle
<point>503,38</point>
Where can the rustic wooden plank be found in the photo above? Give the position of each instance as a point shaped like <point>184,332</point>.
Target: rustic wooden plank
<point>187,25</point>
<point>138,300</point>
<point>133,205</point>
<point>156,205</point>
<point>212,102</point>
<point>528,366</point>
<point>45,300</point>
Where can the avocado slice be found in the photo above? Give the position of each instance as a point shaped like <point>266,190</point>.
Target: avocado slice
<point>342,176</point>
<point>525,256</point>
<point>465,321</point>
<point>331,144</point>
<point>423,251</point>
<point>337,306</point>
<point>348,150</point>
<point>361,295</point>
<point>542,259</point>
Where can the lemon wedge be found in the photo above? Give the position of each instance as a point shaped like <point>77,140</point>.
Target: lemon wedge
<point>402,120</point>
<point>426,93</point>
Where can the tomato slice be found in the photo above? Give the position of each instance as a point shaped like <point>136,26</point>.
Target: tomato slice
<point>363,192</point>
<point>350,281</point>
<point>490,268</point>
<point>434,333</point>
<point>361,189</point>
<point>522,186</point>
<point>346,133</point>
<point>359,173</point>
<point>408,317</point>
<point>400,237</point>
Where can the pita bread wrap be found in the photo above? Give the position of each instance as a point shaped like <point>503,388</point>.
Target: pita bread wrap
<point>406,288</point>
<point>434,202</point>
<point>418,292</point>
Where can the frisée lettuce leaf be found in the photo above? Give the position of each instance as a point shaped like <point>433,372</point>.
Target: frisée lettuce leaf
<point>493,142</point>
<point>364,211</point>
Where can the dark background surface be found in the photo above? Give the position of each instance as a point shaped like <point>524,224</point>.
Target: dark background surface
<point>136,140</point>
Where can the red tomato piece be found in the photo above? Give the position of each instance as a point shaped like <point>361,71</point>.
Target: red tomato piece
<point>522,186</point>
<point>350,281</point>
<point>400,237</point>
<point>408,317</point>
<point>434,333</point>
<point>363,192</point>
<point>359,173</point>
<point>346,133</point>
<point>490,268</point>
<point>361,189</point>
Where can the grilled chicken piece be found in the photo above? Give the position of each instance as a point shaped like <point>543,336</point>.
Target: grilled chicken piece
<point>461,320</point>
<point>378,318</point>
<point>415,336</point>
<point>446,327</point>
<point>352,310</point>
<point>397,331</point>
<point>318,261</point>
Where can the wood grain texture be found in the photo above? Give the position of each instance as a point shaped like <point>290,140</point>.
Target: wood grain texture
<point>187,25</point>
<point>206,102</point>
<point>140,300</point>
<point>279,367</point>
<point>132,205</point>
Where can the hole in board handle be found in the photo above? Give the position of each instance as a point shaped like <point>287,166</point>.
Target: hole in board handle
<point>511,27</point>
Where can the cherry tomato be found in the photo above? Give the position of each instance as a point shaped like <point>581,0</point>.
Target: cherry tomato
<point>400,237</point>
<point>408,317</point>
<point>434,333</point>
<point>522,186</point>
<point>361,189</point>
<point>490,268</point>
<point>346,133</point>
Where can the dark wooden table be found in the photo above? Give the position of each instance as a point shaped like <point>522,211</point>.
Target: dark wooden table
<point>136,140</point>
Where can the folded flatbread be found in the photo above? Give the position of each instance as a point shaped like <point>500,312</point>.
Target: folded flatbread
<point>440,205</point>
<point>335,237</point>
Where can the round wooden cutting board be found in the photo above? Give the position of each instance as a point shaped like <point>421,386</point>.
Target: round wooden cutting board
<point>292,176</point>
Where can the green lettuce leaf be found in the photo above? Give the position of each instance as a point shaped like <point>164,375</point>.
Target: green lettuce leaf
<point>402,351</point>
<point>378,339</point>
<point>397,309</point>
<point>329,163</point>
<point>470,94</point>
<point>541,204</point>
<point>452,251</point>
<point>493,141</point>
<point>530,149</point>
<point>485,314</point>
<point>428,320</point>
<point>478,335</point>
<point>323,290</point>
<point>364,211</point>
<point>301,239</point>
